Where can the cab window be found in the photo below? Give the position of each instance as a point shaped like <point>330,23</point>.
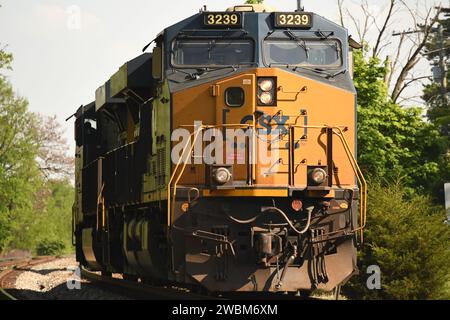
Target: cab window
<point>316,53</point>
<point>212,52</point>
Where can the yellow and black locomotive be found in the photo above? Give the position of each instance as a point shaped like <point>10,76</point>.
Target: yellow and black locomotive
<point>225,159</point>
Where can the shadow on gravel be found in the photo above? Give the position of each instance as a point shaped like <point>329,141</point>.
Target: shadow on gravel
<point>87,291</point>
<point>44,272</point>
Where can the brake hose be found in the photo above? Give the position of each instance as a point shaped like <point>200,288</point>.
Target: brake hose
<point>285,217</point>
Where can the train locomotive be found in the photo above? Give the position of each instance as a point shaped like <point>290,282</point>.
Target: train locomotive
<point>170,187</point>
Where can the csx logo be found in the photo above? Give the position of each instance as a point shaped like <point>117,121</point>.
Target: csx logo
<point>269,123</point>
<point>278,123</point>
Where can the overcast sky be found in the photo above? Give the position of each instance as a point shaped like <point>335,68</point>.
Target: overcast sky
<point>65,49</point>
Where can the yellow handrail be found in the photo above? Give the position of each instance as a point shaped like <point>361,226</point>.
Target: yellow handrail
<point>363,184</point>
<point>101,200</point>
<point>169,186</point>
<point>358,173</point>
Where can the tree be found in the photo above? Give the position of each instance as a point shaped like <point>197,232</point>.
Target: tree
<point>401,54</point>
<point>254,1</point>
<point>407,239</point>
<point>19,175</point>
<point>35,194</point>
<point>394,142</point>
<point>437,96</point>
<point>53,160</point>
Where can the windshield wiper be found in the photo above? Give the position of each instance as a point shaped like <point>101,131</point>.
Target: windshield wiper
<point>193,75</point>
<point>320,71</point>
<point>235,66</point>
<point>301,42</point>
<point>324,36</point>
<point>343,71</point>
<point>204,70</point>
<point>294,68</point>
<point>327,74</point>
<point>209,69</point>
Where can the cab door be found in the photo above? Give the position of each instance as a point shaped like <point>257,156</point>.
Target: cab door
<point>235,106</point>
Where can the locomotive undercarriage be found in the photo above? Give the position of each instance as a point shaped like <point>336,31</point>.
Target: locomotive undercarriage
<point>246,245</point>
<point>231,244</point>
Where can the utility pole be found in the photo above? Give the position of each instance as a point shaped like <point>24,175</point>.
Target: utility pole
<point>442,62</point>
<point>447,201</point>
<point>439,69</point>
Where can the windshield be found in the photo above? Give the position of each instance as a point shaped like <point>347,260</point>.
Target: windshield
<point>206,53</point>
<point>317,53</point>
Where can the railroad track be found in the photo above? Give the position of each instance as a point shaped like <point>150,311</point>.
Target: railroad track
<point>139,290</point>
<point>12,267</point>
<point>127,288</point>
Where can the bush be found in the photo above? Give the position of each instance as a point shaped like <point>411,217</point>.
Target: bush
<point>408,240</point>
<point>49,247</point>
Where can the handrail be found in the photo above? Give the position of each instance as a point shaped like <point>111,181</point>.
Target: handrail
<point>363,189</point>
<point>101,201</point>
<point>337,130</point>
<point>358,173</point>
<point>169,185</point>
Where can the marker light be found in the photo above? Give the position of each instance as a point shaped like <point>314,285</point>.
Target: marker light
<point>297,205</point>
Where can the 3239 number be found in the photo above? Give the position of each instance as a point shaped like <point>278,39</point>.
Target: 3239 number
<point>222,19</point>
<point>301,20</point>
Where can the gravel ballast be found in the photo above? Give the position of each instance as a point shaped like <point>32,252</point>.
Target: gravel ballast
<point>57,280</point>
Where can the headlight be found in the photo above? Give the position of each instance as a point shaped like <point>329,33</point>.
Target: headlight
<point>266,98</point>
<point>318,176</point>
<point>265,85</point>
<point>266,94</point>
<point>222,176</point>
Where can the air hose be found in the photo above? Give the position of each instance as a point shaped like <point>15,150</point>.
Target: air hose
<point>280,212</point>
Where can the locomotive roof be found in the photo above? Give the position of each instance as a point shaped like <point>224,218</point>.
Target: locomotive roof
<point>251,8</point>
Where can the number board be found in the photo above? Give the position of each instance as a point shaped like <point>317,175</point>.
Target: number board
<point>293,20</point>
<point>223,19</point>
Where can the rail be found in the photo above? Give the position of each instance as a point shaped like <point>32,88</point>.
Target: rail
<point>331,130</point>
<point>15,266</point>
<point>139,290</point>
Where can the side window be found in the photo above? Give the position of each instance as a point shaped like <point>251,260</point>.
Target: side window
<point>89,130</point>
<point>85,131</point>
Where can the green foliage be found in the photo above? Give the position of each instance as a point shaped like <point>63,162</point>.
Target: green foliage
<point>5,61</point>
<point>393,141</point>
<point>32,209</point>
<point>47,247</point>
<point>19,176</point>
<point>254,1</point>
<point>439,109</point>
<point>51,218</point>
<point>439,106</point>
<point>407,238</point>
